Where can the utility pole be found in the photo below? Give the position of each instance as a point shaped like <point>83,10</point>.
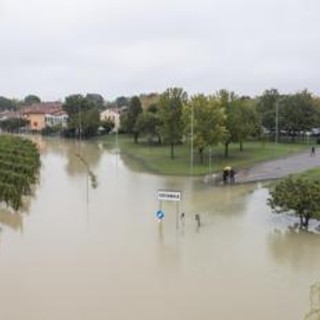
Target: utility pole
<point>277,122</point>
<point>210,161</point>
<point>191,155</point>
<point>80,125</point>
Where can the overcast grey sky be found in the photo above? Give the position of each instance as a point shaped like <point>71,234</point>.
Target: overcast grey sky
<point>53,48</point>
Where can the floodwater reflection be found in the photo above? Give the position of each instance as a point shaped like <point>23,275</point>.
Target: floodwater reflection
<point>314,313</point>
<point>12,220</point>
<point>299,250</point>
<point>114,261</point>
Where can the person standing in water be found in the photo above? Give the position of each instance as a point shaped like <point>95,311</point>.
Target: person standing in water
<point>313,151</point>
<point>197,217</point>
<point>232,174</point>
<point>226,174</point>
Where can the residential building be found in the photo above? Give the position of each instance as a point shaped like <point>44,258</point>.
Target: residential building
<point>46,114</point>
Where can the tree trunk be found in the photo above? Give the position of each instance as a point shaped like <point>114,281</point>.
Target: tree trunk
<point>226,149</point>
<point>172,151</point>
<point>136,136</point>
<point>201,155</point>
<point>159,139</point>
<point>301,220</point>
<point>241,145</point>
<point>306,221</point>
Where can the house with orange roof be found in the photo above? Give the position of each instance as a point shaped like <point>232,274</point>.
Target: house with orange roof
<point>45,114</point>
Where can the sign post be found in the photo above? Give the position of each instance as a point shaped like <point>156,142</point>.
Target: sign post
<point>169,195</point>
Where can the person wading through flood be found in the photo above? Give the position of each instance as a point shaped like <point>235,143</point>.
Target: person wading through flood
<point>313,151</point>
<point>225,174</point>
<point>232,174</point>
<point>197,217</point>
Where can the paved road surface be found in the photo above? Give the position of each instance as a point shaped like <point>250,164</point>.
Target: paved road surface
<point>279,168</point>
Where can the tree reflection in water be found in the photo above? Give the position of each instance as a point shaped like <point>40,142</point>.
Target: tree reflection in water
<point>295,249</point>
<point>91,152</point>
<point>14,220</point>
<point>314,313</point>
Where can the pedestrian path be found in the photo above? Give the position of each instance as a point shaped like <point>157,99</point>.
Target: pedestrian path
<point>279,168</point>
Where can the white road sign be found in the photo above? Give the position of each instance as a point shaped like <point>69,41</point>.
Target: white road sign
<point>169,195</point>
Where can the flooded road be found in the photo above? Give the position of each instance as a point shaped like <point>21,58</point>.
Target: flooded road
<point>78,253</point>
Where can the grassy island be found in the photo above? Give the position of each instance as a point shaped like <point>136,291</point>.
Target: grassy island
<point>155,158</point>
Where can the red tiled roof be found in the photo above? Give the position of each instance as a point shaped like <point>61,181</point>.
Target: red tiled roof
<point>43,108</point>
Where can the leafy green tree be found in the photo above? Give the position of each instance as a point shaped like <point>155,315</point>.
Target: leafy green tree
<point>31,99</point>
<point>241,120</point>
<point>245,120</point>
<point>13,124</point>
<point>96,99</point>
<point>300,196</point>
<point>154,108</point>
<point>266,107</point>
<point>129,118</point>
<point>149,123</point>
<point>135,109</point>
<point>170,114</point>
<point>83,116</point>
<point>228,103</point>
<point>299,112</point>
<point>91,122</point>
<point>208,122</point>
<point>7,104</point>
<point>107,125</point>
<point>122,101</point>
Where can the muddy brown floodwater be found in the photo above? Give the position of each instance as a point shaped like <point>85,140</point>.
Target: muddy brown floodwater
<point>78,253</point>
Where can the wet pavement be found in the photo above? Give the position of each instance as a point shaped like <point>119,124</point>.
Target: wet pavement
<point>279,168</point>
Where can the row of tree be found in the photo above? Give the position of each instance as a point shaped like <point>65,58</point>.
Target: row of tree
<point>15,104</point>
<point>296,113</point>
<point>222,117</point>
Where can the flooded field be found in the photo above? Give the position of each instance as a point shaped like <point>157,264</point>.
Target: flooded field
<point>79,253</point>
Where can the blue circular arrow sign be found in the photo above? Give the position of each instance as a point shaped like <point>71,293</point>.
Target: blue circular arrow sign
<point>160,214</point>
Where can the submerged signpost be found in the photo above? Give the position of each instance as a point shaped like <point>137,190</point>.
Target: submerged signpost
<point>169,195</point>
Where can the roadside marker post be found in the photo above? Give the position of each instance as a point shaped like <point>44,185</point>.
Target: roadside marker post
<point>170,195</point>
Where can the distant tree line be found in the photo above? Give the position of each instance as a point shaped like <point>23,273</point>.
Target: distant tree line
<point>222,117</point>
<point>15,104</point>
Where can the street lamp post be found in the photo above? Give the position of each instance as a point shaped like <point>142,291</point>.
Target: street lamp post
<point>191,155</point>
<point>277,122</point>
<point>80,125</point>
<point>117,142</point>
<point>209,161</point>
